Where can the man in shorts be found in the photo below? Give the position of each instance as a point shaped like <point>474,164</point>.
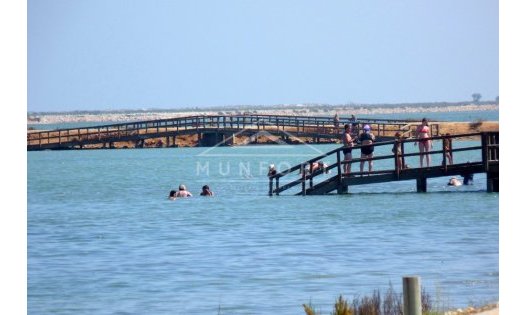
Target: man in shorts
<point>348,143</point>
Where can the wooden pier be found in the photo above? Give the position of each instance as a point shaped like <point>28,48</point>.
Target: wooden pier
<point>212,130</point>
<point>341,182</point>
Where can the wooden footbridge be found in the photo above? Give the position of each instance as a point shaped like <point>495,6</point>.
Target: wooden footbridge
<point>298,176</point>
<point>213,130</point>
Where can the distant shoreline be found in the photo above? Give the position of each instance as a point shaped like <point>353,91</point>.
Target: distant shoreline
<point>299,110</point>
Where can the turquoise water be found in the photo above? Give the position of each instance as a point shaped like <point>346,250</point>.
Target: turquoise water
<point>104,239</point>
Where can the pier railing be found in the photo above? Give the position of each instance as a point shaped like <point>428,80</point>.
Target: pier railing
<point>300,174</point>
<point>300,125</point>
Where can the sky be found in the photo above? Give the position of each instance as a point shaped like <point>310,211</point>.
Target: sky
<point>137,54</point>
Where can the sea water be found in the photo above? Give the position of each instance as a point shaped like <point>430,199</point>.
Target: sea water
<point>104,239</point>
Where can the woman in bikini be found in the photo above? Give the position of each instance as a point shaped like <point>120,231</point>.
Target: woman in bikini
<point>424,144</point>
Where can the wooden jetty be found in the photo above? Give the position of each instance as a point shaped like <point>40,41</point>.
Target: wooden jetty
<point>488,150</point>
<point>213,130</point>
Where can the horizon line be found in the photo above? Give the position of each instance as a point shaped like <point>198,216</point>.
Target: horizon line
<point>262,107</point>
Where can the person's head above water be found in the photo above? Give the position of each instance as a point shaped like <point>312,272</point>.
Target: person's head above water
<point>172,193</point>
<point>182,187</point>
<point>206,191</point>
<point>453,181</point>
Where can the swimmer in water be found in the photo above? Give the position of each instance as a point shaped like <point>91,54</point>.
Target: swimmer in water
<point>206,191</point>
<point>183,192</point>
<point>319,165</point>
<point>468,179</point>
<point>453,181</point>
<point>172,195</point>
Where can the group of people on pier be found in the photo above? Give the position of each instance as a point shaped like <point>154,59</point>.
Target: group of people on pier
<point>366,138</point>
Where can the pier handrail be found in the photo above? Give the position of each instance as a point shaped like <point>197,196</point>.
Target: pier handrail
<point>304,124</point>
<point>488,147</point>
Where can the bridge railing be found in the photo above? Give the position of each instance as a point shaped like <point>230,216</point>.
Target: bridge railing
<point>292,124</point>
<point>489,148</point>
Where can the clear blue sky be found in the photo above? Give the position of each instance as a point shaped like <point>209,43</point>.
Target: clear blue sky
<point>126,54</point>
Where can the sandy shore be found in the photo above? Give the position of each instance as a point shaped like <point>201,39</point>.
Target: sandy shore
<point>490,309</point>
<point>298,111</point>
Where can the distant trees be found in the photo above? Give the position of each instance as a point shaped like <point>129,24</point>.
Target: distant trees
<point>476,97</point>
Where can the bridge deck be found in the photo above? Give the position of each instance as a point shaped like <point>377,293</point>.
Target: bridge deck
<point>313,127</point>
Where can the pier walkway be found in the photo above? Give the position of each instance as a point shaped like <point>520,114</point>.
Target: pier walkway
<point>213,130</point>
<point>300,178</point>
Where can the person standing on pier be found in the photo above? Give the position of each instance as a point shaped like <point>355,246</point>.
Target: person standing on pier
<point>397,150</point>
<point>448,145</point>
<point>348,143</point>
<point>366,140</point>
<point>336,122</point>
<point>424,144</point>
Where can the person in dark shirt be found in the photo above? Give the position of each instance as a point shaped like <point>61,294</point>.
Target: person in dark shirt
<point>272,170</point>
<point>366,140</point>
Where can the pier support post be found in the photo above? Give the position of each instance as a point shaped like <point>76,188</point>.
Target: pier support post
<point>421,184</point>
<point>343,189</point>
<point>211,139</point>
<point>412,295</point>
<point>230,138</point>
<point>492,182</point>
